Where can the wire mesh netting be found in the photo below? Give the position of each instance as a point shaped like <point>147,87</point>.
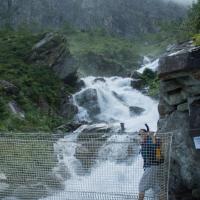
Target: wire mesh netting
<point>72,168</point>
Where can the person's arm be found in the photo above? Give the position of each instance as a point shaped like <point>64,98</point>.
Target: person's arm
<point>153,137</point>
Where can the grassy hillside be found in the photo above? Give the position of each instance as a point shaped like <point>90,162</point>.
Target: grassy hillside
<point>34,83</point>
<point>120,50</point>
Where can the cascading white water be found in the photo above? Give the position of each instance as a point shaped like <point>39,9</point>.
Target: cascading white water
<point>149,65</point>
<point>114,97</point>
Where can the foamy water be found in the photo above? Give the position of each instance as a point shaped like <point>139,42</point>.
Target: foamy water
<point>108,177</point>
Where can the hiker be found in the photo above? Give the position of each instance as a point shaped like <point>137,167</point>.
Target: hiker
<point>150,147</point>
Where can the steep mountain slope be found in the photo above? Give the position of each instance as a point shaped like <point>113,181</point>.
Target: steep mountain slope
<point>125,17</point>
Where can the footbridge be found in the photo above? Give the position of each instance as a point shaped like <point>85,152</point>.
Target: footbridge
<point>44,167</point>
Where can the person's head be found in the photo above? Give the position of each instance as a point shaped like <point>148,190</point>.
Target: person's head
<point>143,133</point>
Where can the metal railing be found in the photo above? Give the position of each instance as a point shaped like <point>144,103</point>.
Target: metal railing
<point>81,168</point>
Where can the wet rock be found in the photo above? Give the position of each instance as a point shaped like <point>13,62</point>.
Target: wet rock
<point>80,84</point>
<point>94,131</point>
<point>90,140</point>
<point>8,87</point>
<point>189,79</point>
<point>88,99</point>
<point>179,113</point>
<point>99,79</point>
<point>67,69</point>
<point>69,127</point>
<point>134,110</point>
<point>136,75</point>
<point>193,90</point>
<point>87,153</point>
<point>184,159</point>
<point>170,47</point>
<point>170,85</point>
<point>196,75</point>
<point>119,97</point>
<point>53,50</point>
<point>183,107</point>
<point>176,97</point>
<point>194,113</point>
<point>50,50</point>
<point>67,107</point>
<point>183,60</point>
<point>71,79</point>
<point>164,108</point>
<point>138,84</point>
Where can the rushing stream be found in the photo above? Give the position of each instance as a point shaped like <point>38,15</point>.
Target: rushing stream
<point>111,101</point>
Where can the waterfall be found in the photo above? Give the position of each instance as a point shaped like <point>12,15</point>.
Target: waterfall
<point>107,100</point>
<point>115,97</point>
<point>149,65</point>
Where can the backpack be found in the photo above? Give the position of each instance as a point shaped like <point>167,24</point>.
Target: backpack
<point>159,151</point>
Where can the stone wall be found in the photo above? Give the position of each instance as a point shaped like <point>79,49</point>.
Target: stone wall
<point>179,109</point>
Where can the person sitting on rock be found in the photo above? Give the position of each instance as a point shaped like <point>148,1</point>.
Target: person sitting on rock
<point>150,146</point>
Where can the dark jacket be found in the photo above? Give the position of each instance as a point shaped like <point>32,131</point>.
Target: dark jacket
<point>148,151</point>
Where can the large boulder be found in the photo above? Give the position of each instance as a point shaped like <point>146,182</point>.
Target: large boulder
<point>8,87</point>
<point>53,50</point>
<point>88,99</point>
<point>90,140</point>
<point>50,50</point>
<point>179,110</point>
<point>183,60</point>
<point>94,131</point>
<point>67,107</point>
<point>164,108</point>
<point>138,84</point>
<point>185,168</point>
<point>134,110</point>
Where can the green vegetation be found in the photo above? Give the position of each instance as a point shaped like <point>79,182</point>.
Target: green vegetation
<point>196,39</point>
<point>35,83</point>
<point>38,83</point>
<point>191,25</point>
<point>151,80</point>
<point>115,49</point>
<point>27,164</point>
<point>193,22</point>
<point>26,160</point>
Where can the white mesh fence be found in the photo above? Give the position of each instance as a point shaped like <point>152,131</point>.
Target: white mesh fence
<point>42,168</point>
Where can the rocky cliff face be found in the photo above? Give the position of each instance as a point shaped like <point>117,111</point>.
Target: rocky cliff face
<point>128,17</point>
<point>179,110</point>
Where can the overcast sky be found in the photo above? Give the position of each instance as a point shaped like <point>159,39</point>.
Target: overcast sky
<point>186,2</point>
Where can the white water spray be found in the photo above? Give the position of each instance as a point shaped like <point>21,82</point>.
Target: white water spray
<point>149,65</point>
<point>115,96</point>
